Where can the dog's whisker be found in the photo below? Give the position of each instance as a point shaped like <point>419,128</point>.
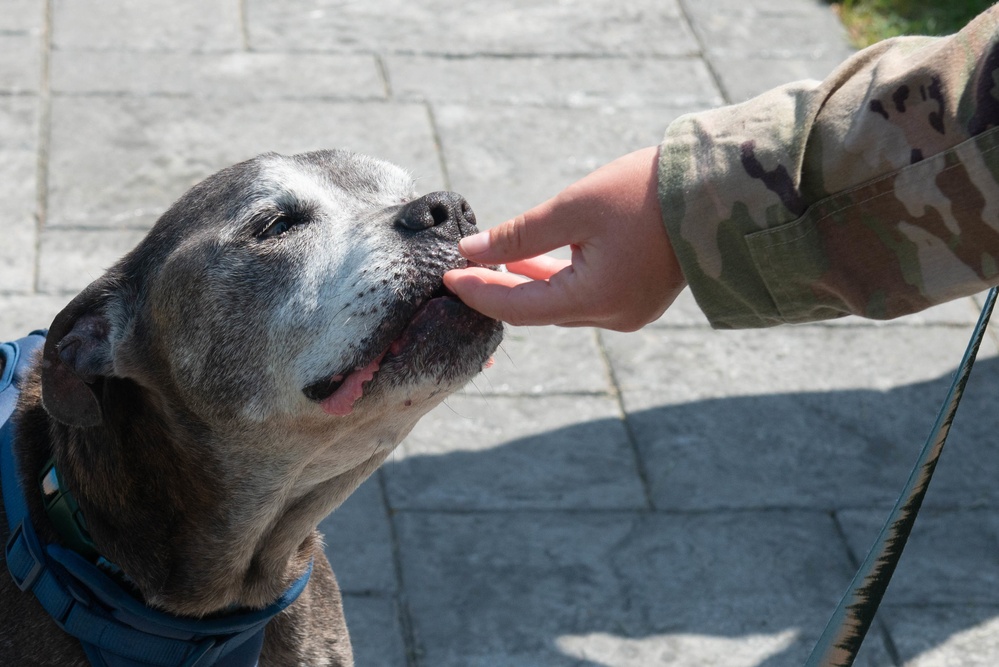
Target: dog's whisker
<point>477,389</point>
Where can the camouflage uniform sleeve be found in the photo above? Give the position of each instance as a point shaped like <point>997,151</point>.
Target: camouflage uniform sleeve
<point>874,192</point>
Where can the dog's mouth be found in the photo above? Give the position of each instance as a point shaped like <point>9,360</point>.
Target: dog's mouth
<point>441,308</point>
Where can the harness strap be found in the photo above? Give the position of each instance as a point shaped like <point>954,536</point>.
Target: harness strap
<point>840,641</point>
<point>115,629</point>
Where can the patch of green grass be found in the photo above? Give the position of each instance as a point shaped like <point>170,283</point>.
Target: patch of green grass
<point>869,21</point>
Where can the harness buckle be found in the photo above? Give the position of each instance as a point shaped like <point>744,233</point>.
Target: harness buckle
<point>23,543</point>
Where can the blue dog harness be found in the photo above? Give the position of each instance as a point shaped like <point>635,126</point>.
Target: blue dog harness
<point>115,628</point>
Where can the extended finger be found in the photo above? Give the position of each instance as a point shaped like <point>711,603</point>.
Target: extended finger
<point>542,229</point>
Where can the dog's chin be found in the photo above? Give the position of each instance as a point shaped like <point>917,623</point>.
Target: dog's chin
<point>443,344</point>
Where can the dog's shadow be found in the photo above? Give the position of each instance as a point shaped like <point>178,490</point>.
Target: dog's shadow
<point>715,532</point>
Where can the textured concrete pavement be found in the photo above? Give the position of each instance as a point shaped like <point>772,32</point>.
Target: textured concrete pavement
<point>676,496</point>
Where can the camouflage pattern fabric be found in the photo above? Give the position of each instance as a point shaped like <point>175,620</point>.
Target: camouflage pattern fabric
<point>874,192</point>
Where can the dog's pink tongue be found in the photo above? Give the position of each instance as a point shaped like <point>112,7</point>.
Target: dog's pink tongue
<point>341,402</point>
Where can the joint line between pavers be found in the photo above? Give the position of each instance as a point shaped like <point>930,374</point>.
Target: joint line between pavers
<point>44,136</point>
<point>409,644</point>
<point>532,55</point>
<point>643,475</point>
<point>384,74</point>
<point>439,145</point>
<point>244,25</point>
<point>712,72</point>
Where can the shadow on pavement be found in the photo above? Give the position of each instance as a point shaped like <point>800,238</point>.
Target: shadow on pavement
<point>757,509</point>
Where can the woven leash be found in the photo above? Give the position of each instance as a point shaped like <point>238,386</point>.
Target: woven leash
<point>845,631</point>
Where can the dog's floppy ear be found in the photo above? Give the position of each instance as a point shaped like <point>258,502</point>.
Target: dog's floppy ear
<point>76,359</point>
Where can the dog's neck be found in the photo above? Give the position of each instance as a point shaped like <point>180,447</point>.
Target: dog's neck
<point>194,541</point>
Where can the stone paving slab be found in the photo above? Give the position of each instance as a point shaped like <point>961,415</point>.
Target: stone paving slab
<point>801,9</point>
<point>360,547</point>
<point>544,361</point>
<point>624,589</point>
<point>784,359</point>
<point>486,146</point>
<point>18,168</point>
<point>553,82</point>
<point>960,313</point>
<point>151,150</point>
<point>941,607</point>
<point>951,557</point>
<point>359,542</point>
<point>20,68</point>
<point>22,16</point>
<point>783,29</point>
<point>190,25</point>
<point>229,76</point>
<point>71,259</point>
<point>23,314</point>
<point>753,47</point>
<point>727,35</point>
<point>375,633</point>
<point>514,27</point>
<point>742,78</point>
<point>503,453</point>
<point>935,636</point>
<point>800,417</point>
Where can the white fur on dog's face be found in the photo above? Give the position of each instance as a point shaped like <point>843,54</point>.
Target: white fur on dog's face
<point>340,262</point>
<point>247,320</point>
<point>278,313</point>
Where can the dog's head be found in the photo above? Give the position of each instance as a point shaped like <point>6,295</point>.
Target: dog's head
<point>234,377</point>
<point>294,295</point>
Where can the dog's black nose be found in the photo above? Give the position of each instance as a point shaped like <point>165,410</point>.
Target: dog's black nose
<point>447,210</point>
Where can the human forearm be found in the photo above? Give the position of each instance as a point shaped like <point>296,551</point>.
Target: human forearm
<point>872,192</point>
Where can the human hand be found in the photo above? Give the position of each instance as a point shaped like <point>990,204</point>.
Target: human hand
<point>623,273</point>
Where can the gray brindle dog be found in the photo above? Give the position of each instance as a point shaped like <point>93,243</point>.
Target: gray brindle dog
<point>234,378</point>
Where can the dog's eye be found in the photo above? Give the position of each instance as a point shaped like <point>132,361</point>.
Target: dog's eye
<point>279,224</point>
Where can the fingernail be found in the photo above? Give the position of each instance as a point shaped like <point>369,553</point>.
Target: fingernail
<point>475,244</point>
